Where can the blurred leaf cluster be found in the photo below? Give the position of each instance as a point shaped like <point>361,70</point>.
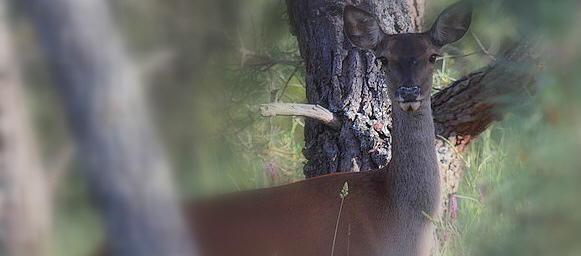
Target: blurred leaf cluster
<point>519,193</point>
<point>225,59</point>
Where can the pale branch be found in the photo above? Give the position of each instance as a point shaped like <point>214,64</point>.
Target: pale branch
<point>296,109</point>
<point>459,56</point>
<point>484,50</point>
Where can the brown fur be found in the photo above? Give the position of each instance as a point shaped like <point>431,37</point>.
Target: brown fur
<point>297,219</point>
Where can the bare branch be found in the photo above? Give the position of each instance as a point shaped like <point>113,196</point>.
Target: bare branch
<point>307,110</point>
<point>459,56</point>
<point>484,50</point>
<point>288,82</point>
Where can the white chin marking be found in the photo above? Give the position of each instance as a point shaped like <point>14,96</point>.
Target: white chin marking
<point>413,105</point>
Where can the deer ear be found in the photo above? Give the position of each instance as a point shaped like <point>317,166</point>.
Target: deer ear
<point>452,23</point>
<point>361,28</point>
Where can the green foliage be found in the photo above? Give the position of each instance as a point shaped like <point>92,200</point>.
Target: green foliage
<point>445,74</point>
<point>76,225</point>
<point>520,187</point>
<point>524,173</point>
<point>240,149</point>
<point>344,191</point>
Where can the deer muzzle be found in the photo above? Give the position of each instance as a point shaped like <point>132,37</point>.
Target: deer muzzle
<point>408,98</point>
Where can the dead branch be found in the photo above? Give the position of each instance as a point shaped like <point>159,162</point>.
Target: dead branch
<point>307,110</point>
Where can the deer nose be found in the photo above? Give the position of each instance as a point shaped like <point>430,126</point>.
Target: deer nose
<point>405,93</point>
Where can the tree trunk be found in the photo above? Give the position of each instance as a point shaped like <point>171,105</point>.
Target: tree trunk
<point>347,81</point>
<point>25,200</point>
<point>127,172</point>
<point>417,11</point>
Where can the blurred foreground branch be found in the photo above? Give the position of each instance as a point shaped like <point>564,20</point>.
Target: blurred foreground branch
<point>126,170</point>
<point>25,200</point>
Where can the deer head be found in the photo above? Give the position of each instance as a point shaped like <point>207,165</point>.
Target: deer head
<point>408,59</point>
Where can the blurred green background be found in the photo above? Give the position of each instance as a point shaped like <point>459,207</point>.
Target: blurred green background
<point>213,62</point>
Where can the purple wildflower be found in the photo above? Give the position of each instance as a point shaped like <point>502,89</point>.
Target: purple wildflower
<point>270,168</point>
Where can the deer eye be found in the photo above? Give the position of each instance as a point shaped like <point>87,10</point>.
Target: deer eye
<point>433,58</point>
<point>383,61</point>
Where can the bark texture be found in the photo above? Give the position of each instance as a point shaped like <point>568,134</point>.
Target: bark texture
<point>127,172</point>
<point>417,11</point>
<point>348,82</point>
<point>25,200</point>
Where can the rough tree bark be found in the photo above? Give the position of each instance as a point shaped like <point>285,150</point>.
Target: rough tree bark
<point>417,11</point>
<point>25,199</point>
<point>127,172</point>
<point>347,81</point>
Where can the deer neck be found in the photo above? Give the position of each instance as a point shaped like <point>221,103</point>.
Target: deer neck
<point>413,166</point>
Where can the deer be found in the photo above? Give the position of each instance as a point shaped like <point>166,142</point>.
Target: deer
<point>384,211</point>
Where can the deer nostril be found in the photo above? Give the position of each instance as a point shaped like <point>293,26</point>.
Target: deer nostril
<point>416,90</point>
<point>405,93</point>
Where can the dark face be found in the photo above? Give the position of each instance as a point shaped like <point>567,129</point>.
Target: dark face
<point>408,59</point>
